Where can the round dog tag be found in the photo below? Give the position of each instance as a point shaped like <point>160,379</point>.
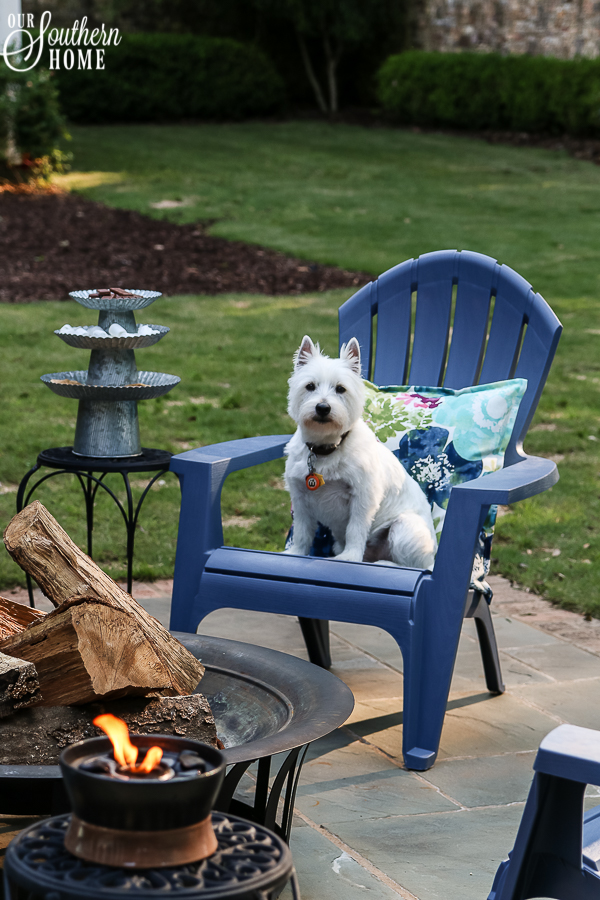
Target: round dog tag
<point>314,481</point>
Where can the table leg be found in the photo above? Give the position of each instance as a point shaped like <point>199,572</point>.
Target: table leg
<point>90,495</point>
<point>132,519</point>
<point>86,480</point>
<point>89,485</point>
<point>20,495</point>
<point>22,487</point>
<point>90,489</point>
<point>130,526</point>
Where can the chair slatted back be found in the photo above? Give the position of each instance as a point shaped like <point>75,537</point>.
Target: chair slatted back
<point>454,318</point>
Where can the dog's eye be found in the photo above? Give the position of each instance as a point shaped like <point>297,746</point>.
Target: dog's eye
<point>310,386</point>
<point>340,389</point>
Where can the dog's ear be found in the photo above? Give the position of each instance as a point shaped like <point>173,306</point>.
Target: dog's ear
<point>304,352</point>
<point>350,352</point>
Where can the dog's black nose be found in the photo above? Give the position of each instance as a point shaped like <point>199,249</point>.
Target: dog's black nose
<point>322,409</point>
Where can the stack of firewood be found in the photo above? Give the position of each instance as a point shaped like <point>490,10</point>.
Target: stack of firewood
<point>98,650</point>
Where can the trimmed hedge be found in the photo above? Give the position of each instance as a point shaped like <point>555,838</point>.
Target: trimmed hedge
<point>487,91</point>
<point>158,77</point>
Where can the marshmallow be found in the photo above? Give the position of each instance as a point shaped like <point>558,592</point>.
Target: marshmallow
<point>96,331</point>
<point>117,331</point>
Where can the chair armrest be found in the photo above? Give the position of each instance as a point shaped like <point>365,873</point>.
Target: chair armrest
<point>201,474</point>
<point>467,510</point>
<point>469,502</point>
<point>570,752</point>
<point>531,476</point>
<point>241,454</point>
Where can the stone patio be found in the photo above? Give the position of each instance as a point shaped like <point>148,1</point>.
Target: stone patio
<point>365,826</point>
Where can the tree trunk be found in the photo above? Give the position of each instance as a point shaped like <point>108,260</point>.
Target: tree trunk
<point>331,62</point>
<point>311,72</point>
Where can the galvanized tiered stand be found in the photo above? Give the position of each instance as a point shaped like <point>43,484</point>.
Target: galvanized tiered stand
<point>108,392</point>
<point>107,434</point>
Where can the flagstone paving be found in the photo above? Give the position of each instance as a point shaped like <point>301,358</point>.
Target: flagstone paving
<point>367,827</point>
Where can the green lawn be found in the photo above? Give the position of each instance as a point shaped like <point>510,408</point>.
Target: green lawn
<point>362,198</point>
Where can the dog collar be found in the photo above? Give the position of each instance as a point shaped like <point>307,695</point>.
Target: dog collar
<point>326,449</point>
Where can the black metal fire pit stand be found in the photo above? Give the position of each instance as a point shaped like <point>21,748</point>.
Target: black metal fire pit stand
<point>268,706</point>
<point>251,863</point>
<point>268,796</point>
<point>64,462</point>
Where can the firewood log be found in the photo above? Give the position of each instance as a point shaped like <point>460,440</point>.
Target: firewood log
<point>19,685</point>
<point>99,642</point>
<point>86,650</point>
<point>14,617</point>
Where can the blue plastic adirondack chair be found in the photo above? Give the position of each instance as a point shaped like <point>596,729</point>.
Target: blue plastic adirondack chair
<point>557,850</point>
<point>500,329</point>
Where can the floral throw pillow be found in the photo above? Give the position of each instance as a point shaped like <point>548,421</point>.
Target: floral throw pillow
<point>445,437</point>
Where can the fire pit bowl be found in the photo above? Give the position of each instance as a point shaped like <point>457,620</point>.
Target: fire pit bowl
<point>138,821</point>
<point>264,702</point>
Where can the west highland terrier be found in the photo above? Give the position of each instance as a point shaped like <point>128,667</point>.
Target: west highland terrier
<point>340,475</point>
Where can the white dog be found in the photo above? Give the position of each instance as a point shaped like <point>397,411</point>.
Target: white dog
<point>340,475</point>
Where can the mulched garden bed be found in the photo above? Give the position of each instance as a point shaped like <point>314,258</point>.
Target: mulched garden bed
<point>51,244</point>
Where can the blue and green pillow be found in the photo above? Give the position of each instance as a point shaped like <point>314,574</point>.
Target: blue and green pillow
<point>445,437</point>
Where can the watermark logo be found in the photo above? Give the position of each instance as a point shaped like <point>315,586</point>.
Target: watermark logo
<point>78,47</point>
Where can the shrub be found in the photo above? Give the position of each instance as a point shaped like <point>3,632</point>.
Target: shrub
<point>153,77</point>
<point>31,125</point>
<point>487,91</point>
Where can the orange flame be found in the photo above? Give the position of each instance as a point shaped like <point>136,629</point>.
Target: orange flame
<point>125,752</point>
<point>151,760</point>
<point>116,729</point>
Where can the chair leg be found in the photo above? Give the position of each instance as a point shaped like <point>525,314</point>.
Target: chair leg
<point>422,719</point>
<point>316,637</point>
<point>488,646</point>
<point>427,678</point>
<point>428,666</point>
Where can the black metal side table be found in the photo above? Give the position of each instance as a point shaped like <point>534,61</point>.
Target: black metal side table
<point>251,863</point>
<point>64,461</point>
